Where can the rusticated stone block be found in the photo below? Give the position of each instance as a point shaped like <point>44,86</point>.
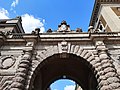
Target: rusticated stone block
<point>103,56</point>
<point>80,51</point>
<point>72,48</point>
<point>102,77</point>
<point>55,49</point>
<point>101,72</point>
<point>76,49</point>
<point>90,58</point>
<point>24,65</point>
<point>98,65</point>
<point>105,61</point>
<point>17,85</point>
<point>20,74</point>
<point>106,88</point>
<point>19,79</point>
<point>109,69</point>
<point>42,55</point>
<point>84,53</point>
<point>23,70</point>
<point>93,62</point>
<point>104,83</point>
<point>113,79</point>
<point>87,55</point>
<point>110,74</point>
<point>105,65</point>
<point>24,61</point>
<point>15,89</point>
<point>115,85</point>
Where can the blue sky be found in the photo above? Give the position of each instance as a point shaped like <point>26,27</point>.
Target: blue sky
<point>63,84</point>
<point>50,13</point>
<point>47,14</point>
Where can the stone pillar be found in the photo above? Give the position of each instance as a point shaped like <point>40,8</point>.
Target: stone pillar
<point>108,78</point>
<point>19,81</point>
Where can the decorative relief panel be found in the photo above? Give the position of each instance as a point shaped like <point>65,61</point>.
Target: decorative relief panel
<point>6,62</point>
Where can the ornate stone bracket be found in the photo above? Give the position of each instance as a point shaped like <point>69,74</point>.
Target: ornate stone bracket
<point>64,47</point>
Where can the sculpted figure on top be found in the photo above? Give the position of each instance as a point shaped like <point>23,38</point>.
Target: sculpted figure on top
<point>63,27</point>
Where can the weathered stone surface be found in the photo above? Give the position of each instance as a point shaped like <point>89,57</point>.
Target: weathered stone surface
<point>106,88</point>
<point>15,89</point>
<point>79,51</point>
<point>72,48</point>
<point>84,53</point>
<point>20,79</point>
<point>76,49</point>
<point>17,85</point>
<point>29,60</point>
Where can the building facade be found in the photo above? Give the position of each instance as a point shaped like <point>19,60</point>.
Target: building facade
<point>32,61</point>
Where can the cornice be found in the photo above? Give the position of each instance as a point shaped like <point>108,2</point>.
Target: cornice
<point>97,6</point>
<point>15,22</point>
<point>56,37</point>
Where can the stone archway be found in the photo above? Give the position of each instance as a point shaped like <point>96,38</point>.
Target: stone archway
<point>99,65</point>
<point>64,52</point>
<point>72,67</point>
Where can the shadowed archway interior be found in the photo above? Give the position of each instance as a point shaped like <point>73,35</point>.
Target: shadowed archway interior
<point>72,67</point>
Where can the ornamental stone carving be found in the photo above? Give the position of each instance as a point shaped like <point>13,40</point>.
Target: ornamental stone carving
<point>6,62</point>
<point>108,79</point>
<point>23,69</point>
<point>63,27</point>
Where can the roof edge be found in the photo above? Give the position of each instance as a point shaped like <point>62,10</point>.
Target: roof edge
<point>96,7</point>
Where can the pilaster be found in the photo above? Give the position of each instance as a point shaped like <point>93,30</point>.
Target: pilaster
<point>20,79</point>
<point>108,78</point>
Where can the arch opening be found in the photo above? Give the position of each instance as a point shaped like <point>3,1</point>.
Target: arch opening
<point>72,67</point>
<point>63,84</point>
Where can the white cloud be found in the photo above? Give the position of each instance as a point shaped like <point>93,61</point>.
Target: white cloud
<point>14,3</point>
<point>72,81</point>
<point>69,87</point>
<point>29,23</point>
<point>4,14</point>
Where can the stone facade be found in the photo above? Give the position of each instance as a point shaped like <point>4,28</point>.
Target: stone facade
<point>33,61</point>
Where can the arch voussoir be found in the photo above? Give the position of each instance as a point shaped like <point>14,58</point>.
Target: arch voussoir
<point>72,49</point>
<point>42,55</point>
<point>55,49</point>
<point>84,52</point>
<point>90,58</point>
<point>77,47</point>
<point>49,51</point>
<point>87,55</point>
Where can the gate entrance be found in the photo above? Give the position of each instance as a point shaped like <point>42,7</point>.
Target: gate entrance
<point>72,67</point>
